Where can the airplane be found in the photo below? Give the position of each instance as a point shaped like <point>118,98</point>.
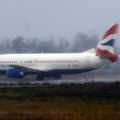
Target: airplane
<point>57,64</point>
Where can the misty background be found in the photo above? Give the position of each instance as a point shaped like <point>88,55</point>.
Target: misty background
<point>79,43</point>
<point>56,26</point>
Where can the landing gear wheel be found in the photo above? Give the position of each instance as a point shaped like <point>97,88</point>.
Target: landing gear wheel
<point>39,77</point>
<point>57,77</point>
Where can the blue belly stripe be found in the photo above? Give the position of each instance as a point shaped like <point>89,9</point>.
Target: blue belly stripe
<point>53,72</point>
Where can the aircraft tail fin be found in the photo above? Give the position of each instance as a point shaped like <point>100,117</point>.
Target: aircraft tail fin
<point>105,48</point>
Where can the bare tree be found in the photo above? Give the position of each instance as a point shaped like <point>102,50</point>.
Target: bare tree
<point>18,45</point>
<point>83,42</point>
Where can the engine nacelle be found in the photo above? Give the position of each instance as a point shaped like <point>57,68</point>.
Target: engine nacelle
<point>15,73</point>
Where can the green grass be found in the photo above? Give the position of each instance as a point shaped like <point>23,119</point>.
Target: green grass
<point>91,101</point>
<point>86,91</point>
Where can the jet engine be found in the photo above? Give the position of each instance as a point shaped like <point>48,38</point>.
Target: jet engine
<point>15,73</point>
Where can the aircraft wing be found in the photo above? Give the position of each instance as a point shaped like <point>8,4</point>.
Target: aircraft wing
<point>29,69</point>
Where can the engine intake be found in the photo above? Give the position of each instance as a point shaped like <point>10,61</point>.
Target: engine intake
<point>15,73</point>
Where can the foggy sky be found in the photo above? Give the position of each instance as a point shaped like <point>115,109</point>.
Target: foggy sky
<point>41,18</point>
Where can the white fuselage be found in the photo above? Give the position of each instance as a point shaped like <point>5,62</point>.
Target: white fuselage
<point>45,62</point>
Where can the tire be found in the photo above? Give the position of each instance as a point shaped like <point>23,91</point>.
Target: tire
<point>39,77</point>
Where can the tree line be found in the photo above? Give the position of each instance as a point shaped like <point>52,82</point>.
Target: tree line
<point>80,42</point>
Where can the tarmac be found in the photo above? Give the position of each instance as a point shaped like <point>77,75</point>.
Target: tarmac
<point>94,76</point>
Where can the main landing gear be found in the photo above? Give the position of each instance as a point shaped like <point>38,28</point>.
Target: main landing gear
<point>58,77</point>
<point>39,77</point>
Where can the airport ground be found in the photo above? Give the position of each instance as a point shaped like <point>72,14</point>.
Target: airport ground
<point>91,96</point>
<point>96,76</point>
<point>89,101</point>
